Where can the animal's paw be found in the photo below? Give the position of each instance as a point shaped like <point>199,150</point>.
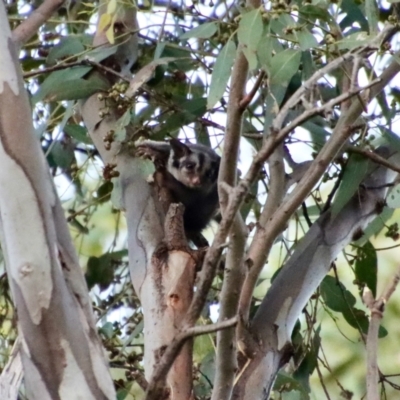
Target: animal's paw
<point>145,151</point>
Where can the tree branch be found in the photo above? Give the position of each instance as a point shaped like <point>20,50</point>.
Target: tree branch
<point>377,308</point>
<point>26,29</point>
<point>156,383</point>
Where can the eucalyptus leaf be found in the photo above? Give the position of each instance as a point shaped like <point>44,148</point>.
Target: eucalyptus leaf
<point>250,29</point>
<point>366,266</point>
<point>203,31</point>
<point>78,132</point>
<point>306,39</point>
<point>75,89</point>
<point>356,169</point>
<point>221,73</point>
<point>335,295</point>
<point>372,15</point>
<point>283,66</point>
<point>68,46</point>
<point>353,41</point>
<point>47,88</point>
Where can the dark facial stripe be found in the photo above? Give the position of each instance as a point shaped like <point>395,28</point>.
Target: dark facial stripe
<point>201,161</point>
<point>175,163</point>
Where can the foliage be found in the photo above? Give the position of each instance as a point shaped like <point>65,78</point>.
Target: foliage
<point>185,95</point>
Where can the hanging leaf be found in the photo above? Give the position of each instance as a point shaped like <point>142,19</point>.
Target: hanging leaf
<point>75,89</point>
<point>357,319</point>
<point>372,15</point>
<point>335,295</point>
<point>354,16</point>
<point>250,29</point>
<point>264,51</point>
<point>285,383</point>
<point>366,266</point>
<point>306,39</point>
<point>103,193</point>
<point>68,46</point>
<point>221,73</point>
<point>203,31</point>
<point>315,11</point>
<point>55,78</point>
<point>375,226</point>
<point>353,41</point>
<point>249,34</point>
<point>100,270</point>
<point>62,155</point>
<point>354,173</point>
<point>78,132</point>
<point>283,66</point>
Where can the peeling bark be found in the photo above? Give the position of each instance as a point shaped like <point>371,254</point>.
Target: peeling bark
<point>59,343</point>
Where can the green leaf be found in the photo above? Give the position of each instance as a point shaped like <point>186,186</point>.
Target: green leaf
<point>100,53</point>
<point>376,225</point>
<point>285,383</point>
<point>366,266</point>
<point>68,46</point>
<point>357,319</point>
<point>76,89</point>
<point>221,73</point>
<point>354,16</point>
<point>264,51</point>
<point>123,393</point>
<point>356,169</point>
<point>250,29</point>
<point>353,41</point>
<point>207,369</point>
<point>250,32</point>
<point>100,270</point>
<point>306,39</point>
<point>62,154</point>
<point>283,66</point>
<point>372,16</point>
<point>311,11</point>
<point>195,107</point>
<point>54,79</point>
<point>308,65</point>
<point>78,132</point>
<point>103,193</point>
<point>251,57</point>
<point>335,295</point>
<point>382,332</point>
<point>318,133</point>
<point>191,110</point>
<point>203,31</point>
<point>280,25</point>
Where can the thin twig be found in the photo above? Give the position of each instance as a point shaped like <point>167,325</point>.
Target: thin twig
<point>249,97</point>
<point>80,63</point>
<point>307,85</point>
<point>307,114</point>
